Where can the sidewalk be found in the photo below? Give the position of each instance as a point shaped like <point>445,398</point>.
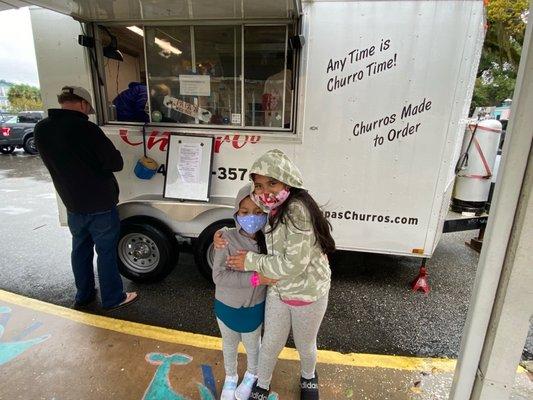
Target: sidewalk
<point>50,352</point>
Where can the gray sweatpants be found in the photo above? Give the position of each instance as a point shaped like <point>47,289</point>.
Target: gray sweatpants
<point>279,319</point>
<point>230,344</point>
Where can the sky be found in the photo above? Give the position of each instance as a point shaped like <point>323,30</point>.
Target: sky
<point>17,54</point>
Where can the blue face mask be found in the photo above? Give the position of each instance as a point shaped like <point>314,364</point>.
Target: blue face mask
<point>252,223</point>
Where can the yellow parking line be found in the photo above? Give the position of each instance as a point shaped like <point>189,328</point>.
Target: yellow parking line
<point>215,343</point>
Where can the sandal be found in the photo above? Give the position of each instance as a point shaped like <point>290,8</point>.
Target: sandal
<point>131,297</point>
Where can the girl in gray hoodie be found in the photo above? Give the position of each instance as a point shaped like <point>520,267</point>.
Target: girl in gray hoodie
<point>240,296</point>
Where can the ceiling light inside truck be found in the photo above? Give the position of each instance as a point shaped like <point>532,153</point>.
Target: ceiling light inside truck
<point>163,44</point>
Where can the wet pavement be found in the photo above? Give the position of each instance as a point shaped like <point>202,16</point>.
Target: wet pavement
<point>50,352</point>
<point>371,308</point>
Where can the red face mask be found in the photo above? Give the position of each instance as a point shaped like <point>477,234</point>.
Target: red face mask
<point>272,201</point>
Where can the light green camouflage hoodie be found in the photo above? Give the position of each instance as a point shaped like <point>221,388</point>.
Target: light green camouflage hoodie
<point>294,256</point>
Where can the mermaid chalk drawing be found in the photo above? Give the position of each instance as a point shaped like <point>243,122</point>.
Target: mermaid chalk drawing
<point>11,350</point>
<point>160,388</point>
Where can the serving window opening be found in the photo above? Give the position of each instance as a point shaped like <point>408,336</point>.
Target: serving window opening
<point>240,76</point>
<point>126,92</point>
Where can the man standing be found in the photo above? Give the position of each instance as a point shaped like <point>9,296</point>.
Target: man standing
<point>81,161</point>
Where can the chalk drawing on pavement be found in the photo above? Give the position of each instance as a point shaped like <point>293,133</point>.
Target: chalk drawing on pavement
<point>13,349</point>
<point>160,387</point>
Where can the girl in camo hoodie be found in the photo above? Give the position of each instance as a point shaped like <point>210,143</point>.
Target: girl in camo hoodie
<point>298,238</point>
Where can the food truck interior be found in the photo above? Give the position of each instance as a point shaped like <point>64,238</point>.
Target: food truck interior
<point>235,75</point>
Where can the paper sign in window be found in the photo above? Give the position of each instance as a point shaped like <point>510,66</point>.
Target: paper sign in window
<point>195,85</point>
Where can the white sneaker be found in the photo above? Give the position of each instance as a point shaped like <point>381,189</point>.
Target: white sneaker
<point>245,388</point>
<point>228,390</point>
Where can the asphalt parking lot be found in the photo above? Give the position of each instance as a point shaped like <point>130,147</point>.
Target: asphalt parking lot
<point>371,307</point>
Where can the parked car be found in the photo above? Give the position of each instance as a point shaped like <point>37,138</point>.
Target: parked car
<point>4,117</point>
<point>17,132</point>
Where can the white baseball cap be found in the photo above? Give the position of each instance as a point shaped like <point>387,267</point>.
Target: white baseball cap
<point>80,92</point>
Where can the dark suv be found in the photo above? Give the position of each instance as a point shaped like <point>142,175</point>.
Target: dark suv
<point>18,132</point>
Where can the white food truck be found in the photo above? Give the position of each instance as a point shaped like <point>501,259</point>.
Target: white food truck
<point>369,98</point>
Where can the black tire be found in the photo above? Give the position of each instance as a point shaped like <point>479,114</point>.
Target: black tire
<point>29,145</point>
<point>203,248</point>
<point>147,250</point>
<point>7,149</point>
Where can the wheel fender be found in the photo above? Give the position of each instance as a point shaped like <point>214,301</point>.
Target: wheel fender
<point>136,211</point>
<point>146,219</point>
<point>188,229</point>
<point>226,221</point>
<point>27,134</point>
<point>206,219</point>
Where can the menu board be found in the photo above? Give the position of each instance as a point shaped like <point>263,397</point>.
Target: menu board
<point>189,160</point>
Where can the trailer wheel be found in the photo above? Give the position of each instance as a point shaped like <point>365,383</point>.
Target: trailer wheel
<point>204,251</point>
<point>147,250</point>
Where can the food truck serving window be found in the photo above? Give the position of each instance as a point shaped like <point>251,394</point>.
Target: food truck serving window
<point>211,75</point>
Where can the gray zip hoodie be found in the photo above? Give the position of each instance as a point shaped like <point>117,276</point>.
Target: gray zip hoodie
<point>233,288</point>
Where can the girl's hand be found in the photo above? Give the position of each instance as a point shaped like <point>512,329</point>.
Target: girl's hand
<point>237,261</point>
<point>263,280</point>
<point>218,241</point>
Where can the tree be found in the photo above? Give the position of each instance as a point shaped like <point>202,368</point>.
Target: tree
<point>496,78</point>
<point>506,30</point>
<point>24,98</point>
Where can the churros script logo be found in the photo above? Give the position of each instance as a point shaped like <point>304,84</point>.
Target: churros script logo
<point>160,140</point>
